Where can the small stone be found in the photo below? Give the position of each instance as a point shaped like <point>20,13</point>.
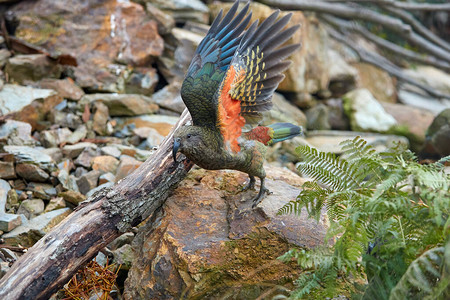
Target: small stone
<point>86,157</point>
<point>31,208</point>
<point>123,104</point>
<point>12,199</point>
<point>7,170</point>
<point>64,119</point>
<point>73,151</point>
<point>72,197</point>
<point>53,138</point>
<point>124,256</point>
<point>100,118</point>
<point>29,233</point>
<point>165,21</point>
<point>317,117</point>
<point>9,221</point>
<point>55,203</point>
<point>142,81</point>
<point>284,111</point>
<point>111,151</point>
<point>31,172</point>
<point>79,134</point>
<point>4,55</point>
<point>169,97</point>
<point>4,268</point>
<point>4,189</point>
<point>42,190</point>
<point>183,11</point>
<point>54,153</point>
<point>16,133</point>
<point>337,118</point>
<point>66,88</point>
<point>88,181</point>
<point>122,240</point>
<point>105,164</point>
<point>127,165</point>
<point>107,177</point>
<point>24,154</point>
<point>69,182</point>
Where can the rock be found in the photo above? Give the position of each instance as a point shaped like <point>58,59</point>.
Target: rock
<point>42,190</point>
<point>318,117</point>
<point>66,88</point>
<point>103,40</point>
<point>437,143</point>
<point>182,10</point>
<point>29,233</point>
<point>123,104</point>
<point>86,157</point>
<point>4,55</point>
<point>16,133</point>
<point>105,164</point>
<point>169,97</point>
<point>127,165</point>
<point>79,134</point>
<point>55,203</point>
<point>12,200</point>
<point>100,118</point>
<point>54,153</point>
<point>421,101</point>
<point>328,141</point>
<point>7,170</point>
<point>208,231</point>
<point>163,124</point>
<point>107,177</point>
<point>342,76</point>
<point>152,136</point>
<point>64,119</point>
<point>111,151</point>
<point>366,113</point>
<point>9,221</point>
<point>124,239</point>
<point>377,81</point>
<point>73,197</point>
<point>88,181</point>
<point>165,21</point>
<point>284,111</point>
<point>4,268</point>
<point>69,182</point>
<point>336,115</point>
<point>24,154</point>
<point>31,172</point>
<point>4,189</point>
<point>34,67</point>
<point>124,256</point>
<point>142,81</point>
<point>73,151</point>
<point>31,208</point>
<point>431,76</point>
<point>54,137</point>
<point>414,119</point>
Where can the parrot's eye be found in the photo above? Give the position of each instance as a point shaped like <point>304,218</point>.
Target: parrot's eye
<point>188,136</point>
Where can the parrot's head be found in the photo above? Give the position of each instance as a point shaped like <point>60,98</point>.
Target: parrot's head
<point>188,139</point>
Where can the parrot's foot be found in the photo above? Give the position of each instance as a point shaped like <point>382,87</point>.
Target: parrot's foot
<point>250,185</point>
<point>262,191</point>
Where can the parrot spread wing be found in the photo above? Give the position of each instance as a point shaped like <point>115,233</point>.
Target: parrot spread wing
<point>253,75</point>
<point>211,60</point>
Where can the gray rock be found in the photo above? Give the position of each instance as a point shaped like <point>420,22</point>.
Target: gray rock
<point>36,228</point>
<point>366,113</point>
<point>73,151</point>
<point>184,10</point>
<point>122,240</point>
<point>111,151</point>
<point>88,181</point>
<point>64,119</point>
<point>12,200</point>
<point>24,154</point>
<point>14,97</point>
<point>100,119</point>
<point>438,136</point>
<point>124,256</point>
<point>4,55</point>
<point>54,137</point>
<point>69,182</point>
<point>4,189</point>
<point>4,268</point>
<point>284,111</point>
<point>16,133</point>
<point>42,190</point>
<point>31,208</point>
<point>9,221</point>
<point>169,97</point>
<point>425,102</point>
<point>7,170</point>
<point>336,116</point>
<point>31,172</point>
<point>79,134</point>
<point>86,157</point>
<point>431,76</point>
<point>141,81</point>
<point>123,104</point>
<point>54,153</point>
<point>34,67</point>
<point>317,117</point>
<point>107,177</point>
<point>165,21</point>
<point>55,203</point>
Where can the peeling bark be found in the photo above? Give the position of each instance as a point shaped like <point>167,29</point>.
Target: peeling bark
<point>55,258</point>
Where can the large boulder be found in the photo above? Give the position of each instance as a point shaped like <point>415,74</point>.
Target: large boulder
<point>207,240</point>
<point>102,35</point>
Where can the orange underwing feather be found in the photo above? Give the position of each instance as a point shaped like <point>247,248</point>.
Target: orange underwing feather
<point>230,119</point>
<point>261,134</point>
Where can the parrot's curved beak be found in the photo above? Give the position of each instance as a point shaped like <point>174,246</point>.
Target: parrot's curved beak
<point>176,146</point>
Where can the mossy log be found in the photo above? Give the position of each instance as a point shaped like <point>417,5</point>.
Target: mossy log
<point>104,216</point>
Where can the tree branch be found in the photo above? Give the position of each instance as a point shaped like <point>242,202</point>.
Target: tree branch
<point>56,257</point>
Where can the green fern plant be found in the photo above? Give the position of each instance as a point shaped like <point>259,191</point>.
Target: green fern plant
<point>385,209</point>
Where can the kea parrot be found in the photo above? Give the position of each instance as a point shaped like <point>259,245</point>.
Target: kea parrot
<point>229,83</point>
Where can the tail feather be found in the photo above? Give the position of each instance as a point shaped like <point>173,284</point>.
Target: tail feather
<point>273,133</point>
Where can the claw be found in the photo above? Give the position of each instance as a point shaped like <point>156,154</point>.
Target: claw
<point>250,185</point>
<point>262,191</point>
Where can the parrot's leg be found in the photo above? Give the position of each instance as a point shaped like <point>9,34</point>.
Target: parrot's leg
<point>251,184</point>
<point>262,191</point>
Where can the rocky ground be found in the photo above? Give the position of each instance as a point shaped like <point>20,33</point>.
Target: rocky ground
<point>67,131</point>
